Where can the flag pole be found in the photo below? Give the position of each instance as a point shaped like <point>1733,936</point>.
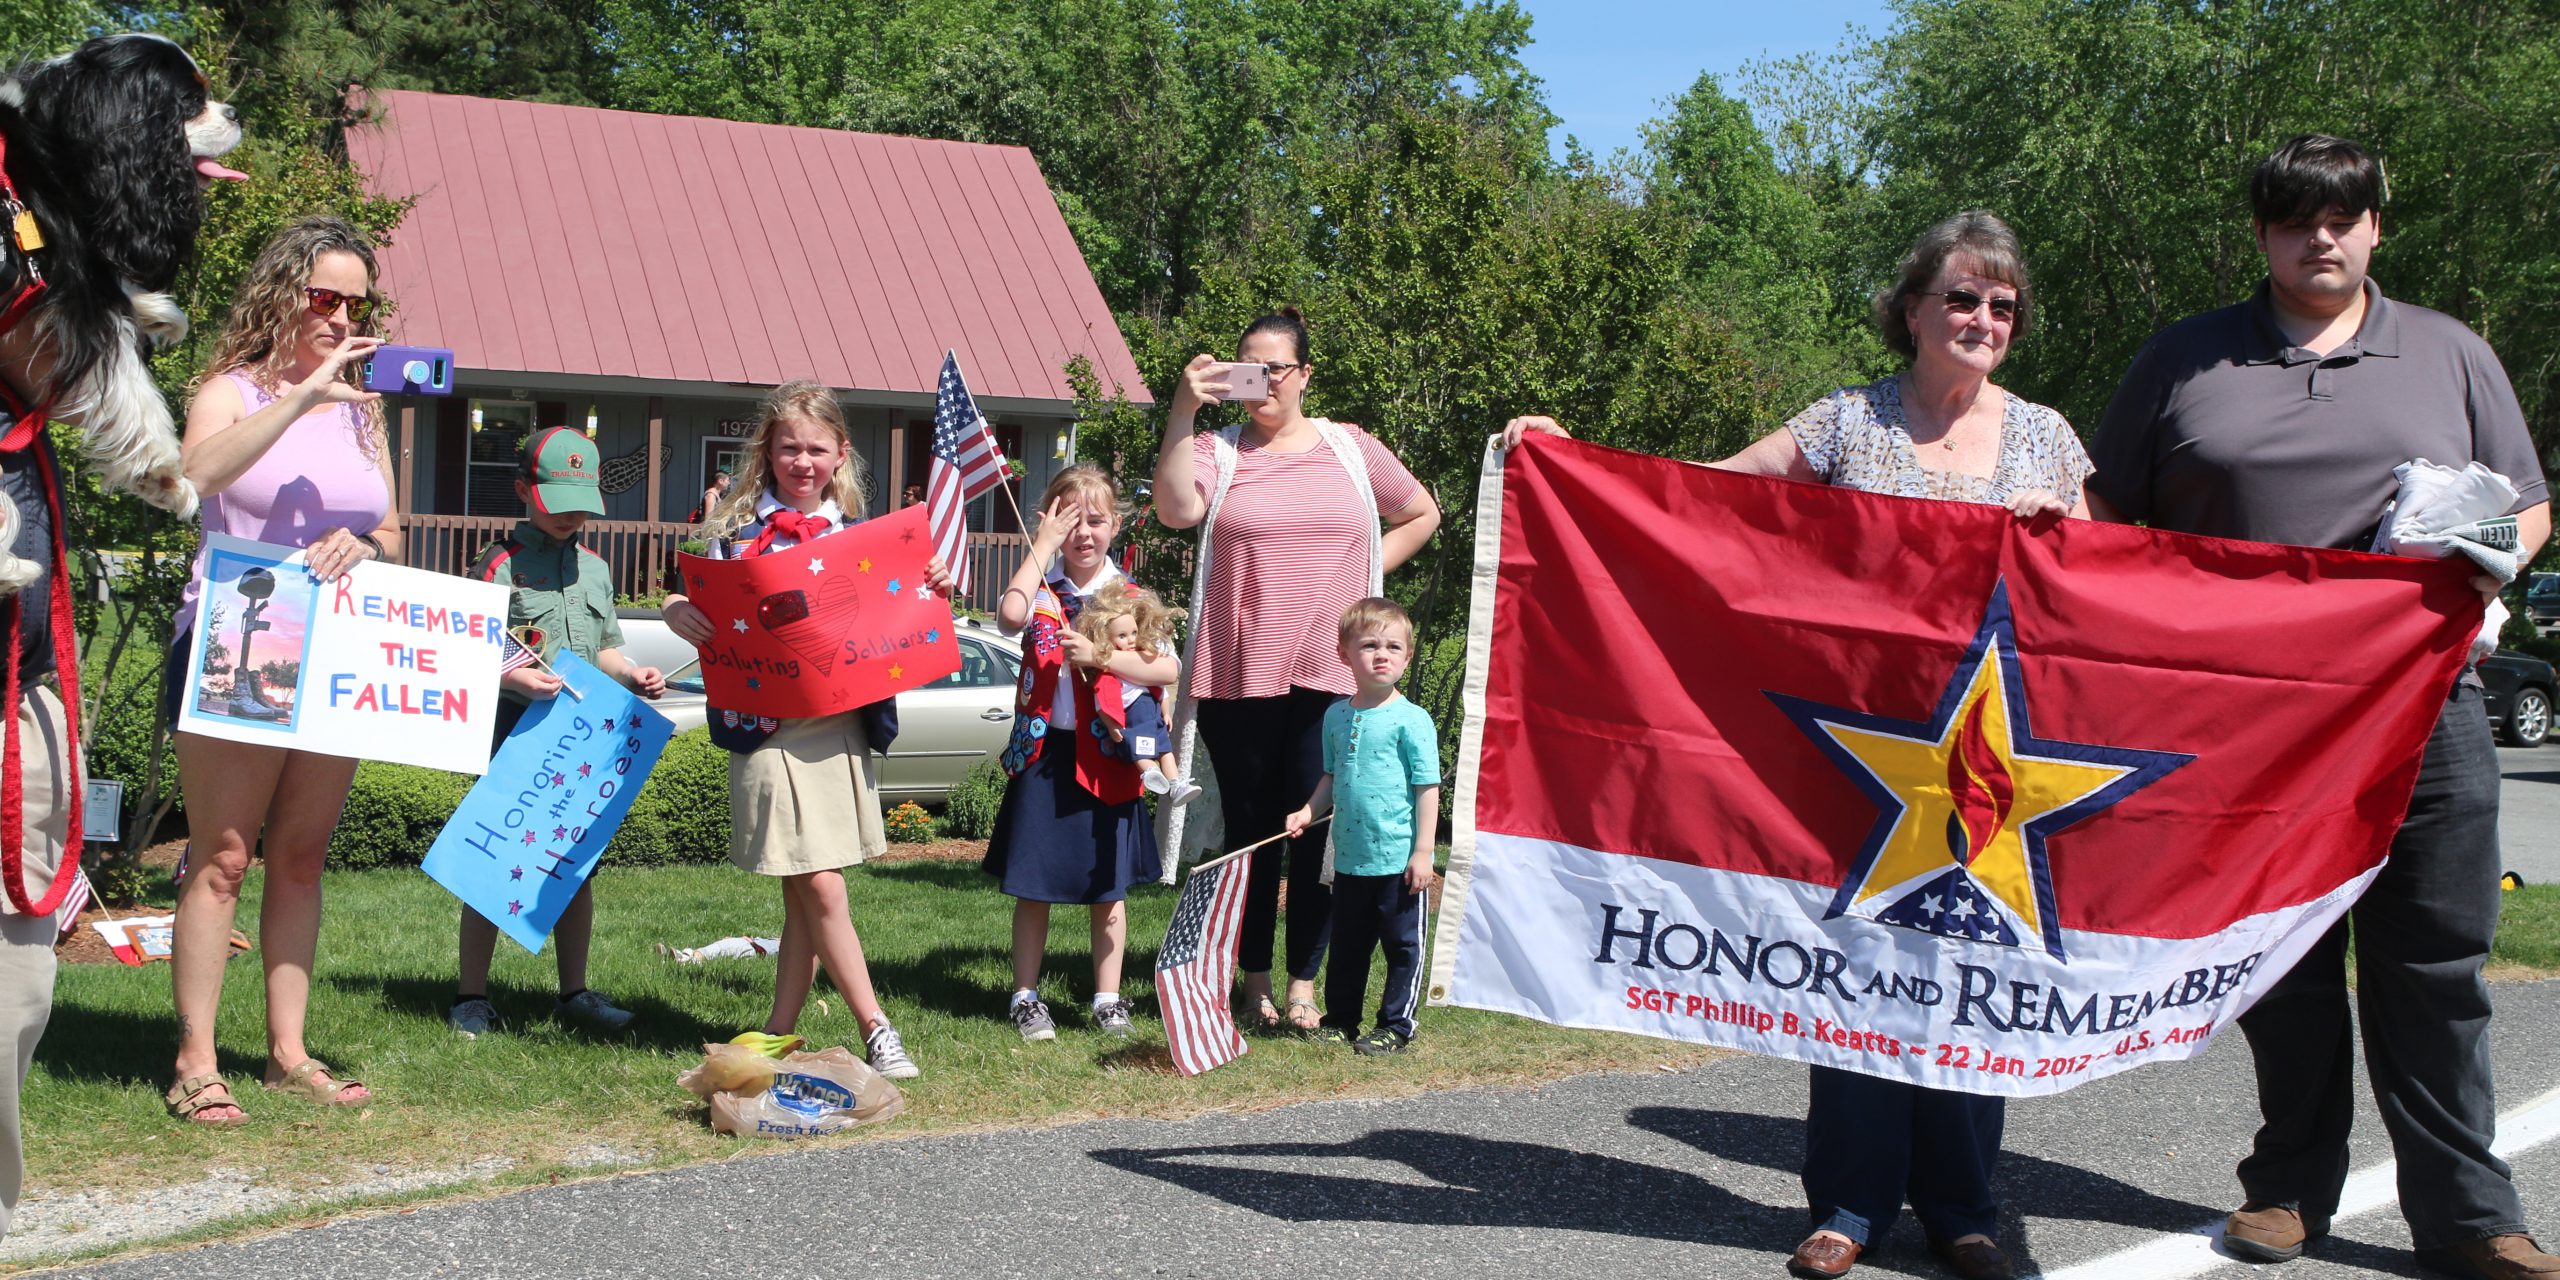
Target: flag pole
<point>988,432</point>
<point>1233,854</point>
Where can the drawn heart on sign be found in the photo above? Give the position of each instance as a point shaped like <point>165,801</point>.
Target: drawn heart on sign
<point>813,624</point>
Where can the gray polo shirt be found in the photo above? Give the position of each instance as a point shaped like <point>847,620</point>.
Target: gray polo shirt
<point>2221,427</point>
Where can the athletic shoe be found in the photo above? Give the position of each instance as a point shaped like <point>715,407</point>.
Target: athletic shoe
<point>1111,1018</point>
<point>595,1011</point>
<point>1183,793</point>
<point>1031,1018</point>
<point>473,1016</point>
<point>888,1054</point>
<point>1152,777</point>
<point>1381,1040</point>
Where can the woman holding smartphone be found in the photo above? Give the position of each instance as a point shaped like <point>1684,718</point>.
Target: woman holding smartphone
<point>1302,516</point>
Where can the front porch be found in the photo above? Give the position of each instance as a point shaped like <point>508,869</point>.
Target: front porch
<point>641,551</point>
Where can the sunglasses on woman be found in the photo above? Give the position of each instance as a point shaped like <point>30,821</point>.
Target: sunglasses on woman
<point>325,301</point>
<point>1963,302</point>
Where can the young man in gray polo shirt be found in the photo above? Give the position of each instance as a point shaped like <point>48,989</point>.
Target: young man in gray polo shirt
<point>2280,420</point>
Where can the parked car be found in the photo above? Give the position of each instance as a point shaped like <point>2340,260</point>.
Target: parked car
<point>2521,691</point>
<point>2542,600</point>
<point>943,728</point>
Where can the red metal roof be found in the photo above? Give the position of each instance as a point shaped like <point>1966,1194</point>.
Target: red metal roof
<point>554,239</point>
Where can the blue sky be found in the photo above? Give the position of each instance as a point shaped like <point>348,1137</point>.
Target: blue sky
<point>1609,64</point>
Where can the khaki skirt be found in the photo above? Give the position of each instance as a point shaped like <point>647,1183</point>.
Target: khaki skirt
<point>805,801</point>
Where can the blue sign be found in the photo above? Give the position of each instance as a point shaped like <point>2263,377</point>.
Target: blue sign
<point>532,828</point>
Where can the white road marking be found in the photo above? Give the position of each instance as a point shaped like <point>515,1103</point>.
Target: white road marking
<point>2195,1252</point>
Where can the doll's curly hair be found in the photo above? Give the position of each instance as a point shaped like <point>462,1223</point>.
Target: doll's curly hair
<point>1125,599</point>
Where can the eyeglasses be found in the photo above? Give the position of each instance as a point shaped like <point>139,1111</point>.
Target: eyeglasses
<point>1279,369</point>
<point>324,301</point>
<point>1964,302</point>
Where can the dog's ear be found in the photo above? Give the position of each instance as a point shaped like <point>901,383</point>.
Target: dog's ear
<point>123,104</point>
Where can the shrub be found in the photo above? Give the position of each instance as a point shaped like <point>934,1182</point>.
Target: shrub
<point>970,809</point>
<point>124,727</point>
<point>682,815</point>
<point>910,824</point>
<point>393,814</point>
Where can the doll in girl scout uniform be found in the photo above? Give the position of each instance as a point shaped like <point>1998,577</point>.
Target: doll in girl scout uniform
<point>562,599</point>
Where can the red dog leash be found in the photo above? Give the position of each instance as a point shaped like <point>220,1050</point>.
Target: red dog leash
<point>28,433</point>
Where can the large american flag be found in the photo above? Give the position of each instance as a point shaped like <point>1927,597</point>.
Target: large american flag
<point>965,464</point>
<point>1196,965</point>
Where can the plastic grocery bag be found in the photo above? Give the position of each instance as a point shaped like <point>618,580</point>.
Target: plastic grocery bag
<point>802,1095</point>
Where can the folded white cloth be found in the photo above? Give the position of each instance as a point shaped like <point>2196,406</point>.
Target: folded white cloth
<point>2441,512</point>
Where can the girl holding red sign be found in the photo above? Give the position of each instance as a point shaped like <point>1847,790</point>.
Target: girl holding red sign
<point>802,801</point>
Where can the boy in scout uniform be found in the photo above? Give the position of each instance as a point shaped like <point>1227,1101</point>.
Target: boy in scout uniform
<point>563,593</point>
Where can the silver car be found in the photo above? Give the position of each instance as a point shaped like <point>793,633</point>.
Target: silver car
<point>944,728</point>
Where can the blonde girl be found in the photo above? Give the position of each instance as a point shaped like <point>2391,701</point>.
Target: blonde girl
<point>1071,828</point>
<point>802,801</point>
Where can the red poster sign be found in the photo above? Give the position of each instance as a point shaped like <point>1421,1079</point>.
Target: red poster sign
<point>826,626</point>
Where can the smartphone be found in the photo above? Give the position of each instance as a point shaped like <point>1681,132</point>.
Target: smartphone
<point>408,371</point>
<point>1249,382</point>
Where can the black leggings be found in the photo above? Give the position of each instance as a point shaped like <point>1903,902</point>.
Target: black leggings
<point>1269,753</point>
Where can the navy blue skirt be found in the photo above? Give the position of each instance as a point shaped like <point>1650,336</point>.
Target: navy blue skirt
<point>1054,842</point>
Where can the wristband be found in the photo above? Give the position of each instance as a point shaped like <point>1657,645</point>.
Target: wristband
<point>372,544</point>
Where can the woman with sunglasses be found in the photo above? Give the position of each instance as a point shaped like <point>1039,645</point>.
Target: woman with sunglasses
<point>1291,509</point>
<point>285,448</point>
<point>1939,429</point>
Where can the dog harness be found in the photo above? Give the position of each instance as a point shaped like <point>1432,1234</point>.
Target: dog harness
<point>27,432</point>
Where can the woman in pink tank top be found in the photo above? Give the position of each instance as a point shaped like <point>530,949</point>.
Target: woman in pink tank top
<point>285,448</point>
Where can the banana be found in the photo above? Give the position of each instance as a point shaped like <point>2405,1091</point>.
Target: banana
<point>770,1046</point>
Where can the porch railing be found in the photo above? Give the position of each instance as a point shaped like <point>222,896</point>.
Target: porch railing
<point>643,551</point>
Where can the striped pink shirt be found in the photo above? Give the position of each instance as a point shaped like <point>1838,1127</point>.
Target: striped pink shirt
<point>1292,552</point>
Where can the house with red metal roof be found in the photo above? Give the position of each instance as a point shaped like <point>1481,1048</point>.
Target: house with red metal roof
<point>647,278</point>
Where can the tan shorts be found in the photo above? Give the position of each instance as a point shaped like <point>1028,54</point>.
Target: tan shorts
<point>805,800</point>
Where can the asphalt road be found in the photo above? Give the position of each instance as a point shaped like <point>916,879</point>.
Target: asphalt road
<point>1663,1174</point>
<point>2529,811</point>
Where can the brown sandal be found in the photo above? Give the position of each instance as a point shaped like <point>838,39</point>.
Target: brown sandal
<point>304,1079</point>
<point>189,1096</point>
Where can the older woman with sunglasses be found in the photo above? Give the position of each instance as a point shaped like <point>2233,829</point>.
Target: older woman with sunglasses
<point>1939,429</point>
<point>1301,516</point>
<point>285,448</point>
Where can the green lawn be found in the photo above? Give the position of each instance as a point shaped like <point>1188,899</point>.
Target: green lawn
<point>2529,928</point>
<point>540,1094</point>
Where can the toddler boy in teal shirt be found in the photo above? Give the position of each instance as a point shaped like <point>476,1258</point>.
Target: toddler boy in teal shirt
<point>1382,779</point>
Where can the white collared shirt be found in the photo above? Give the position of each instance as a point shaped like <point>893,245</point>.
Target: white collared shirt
<point>766,505</point>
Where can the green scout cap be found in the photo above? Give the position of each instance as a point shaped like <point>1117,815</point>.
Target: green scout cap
<point>565,473</point>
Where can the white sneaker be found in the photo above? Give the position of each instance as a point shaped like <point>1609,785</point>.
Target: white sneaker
<point>596,1011</point>
<point>473,1016</point>
<point>1183,793</point>
<point>1154,778</point>
<point>888,1054</point>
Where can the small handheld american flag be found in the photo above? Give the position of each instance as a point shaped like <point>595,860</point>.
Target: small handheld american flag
<point>1196,965</point>
<point>965,464</point>
<point>522,647</point>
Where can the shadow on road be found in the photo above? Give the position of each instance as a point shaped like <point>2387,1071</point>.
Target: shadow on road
<point>1471,1182</point>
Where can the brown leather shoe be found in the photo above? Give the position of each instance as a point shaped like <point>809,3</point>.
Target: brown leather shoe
<point>2514,1257</point>
<point>1975,1260</point>
<point>2264,1232</point>
<point>1823,1257</point>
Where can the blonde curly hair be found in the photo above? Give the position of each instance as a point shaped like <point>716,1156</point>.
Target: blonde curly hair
<point>809,401</point>
<point>258,337</point>
<point>1125,599</point>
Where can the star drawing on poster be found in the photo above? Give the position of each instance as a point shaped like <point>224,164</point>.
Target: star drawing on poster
<point>817,565</point>
<point>515,873</point>
<point>738,625</point>
<point>865,566</point>
<point>893,586</point>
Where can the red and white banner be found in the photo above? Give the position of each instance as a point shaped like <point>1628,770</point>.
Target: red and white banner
<point>1913,788</point>
<point>825,626</point>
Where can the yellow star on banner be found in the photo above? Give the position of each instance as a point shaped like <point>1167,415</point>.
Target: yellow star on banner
<point>896,671</point>
<point>1966,798</point>
<point>865,566</point>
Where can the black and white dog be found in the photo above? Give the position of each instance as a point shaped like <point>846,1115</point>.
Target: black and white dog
<point>110,148</point>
